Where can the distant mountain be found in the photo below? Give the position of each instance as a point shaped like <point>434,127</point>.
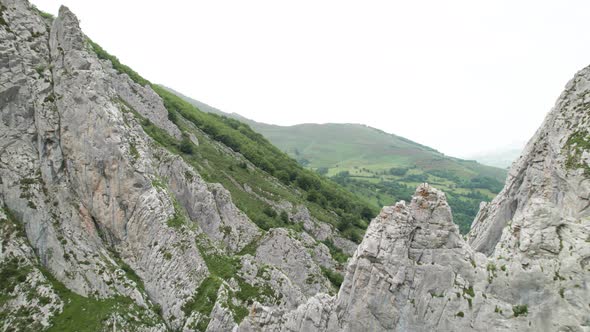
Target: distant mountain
<point>379,166</point>
<point>501,157</point>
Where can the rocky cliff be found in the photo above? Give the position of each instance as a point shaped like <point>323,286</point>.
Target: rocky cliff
<point>108,219</point>
<point>103,225</point>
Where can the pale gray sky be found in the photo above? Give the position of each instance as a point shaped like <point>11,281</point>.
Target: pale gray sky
<point>459,76</point>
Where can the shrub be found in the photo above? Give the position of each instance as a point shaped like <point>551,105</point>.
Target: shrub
<point>204,298</point>
<point>335,278</point>
<point>336,252</point>
<point>469,291</point>
<point>520,310</point>
<point>284,216</point>
<point>269,211</point>
<point>186,146</point>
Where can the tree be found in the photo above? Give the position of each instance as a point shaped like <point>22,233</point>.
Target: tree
<point>186,146</point>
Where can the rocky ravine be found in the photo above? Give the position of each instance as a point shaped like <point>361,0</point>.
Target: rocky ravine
<point>90,202</point>
<point>525,265</point>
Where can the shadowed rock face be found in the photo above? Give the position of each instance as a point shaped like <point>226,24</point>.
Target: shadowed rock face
<point>95,195</point>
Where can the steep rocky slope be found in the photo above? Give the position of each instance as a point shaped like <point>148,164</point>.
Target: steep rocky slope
<point>524,267</point>
<point>108,214</point>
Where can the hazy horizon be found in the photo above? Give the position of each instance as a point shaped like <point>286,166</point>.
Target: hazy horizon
<point>482,156</point>
<point>458,76</point>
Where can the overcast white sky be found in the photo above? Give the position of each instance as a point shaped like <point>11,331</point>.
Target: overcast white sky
<point>459,76</point>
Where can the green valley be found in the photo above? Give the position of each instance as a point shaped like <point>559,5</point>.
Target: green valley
<point>380,167</point>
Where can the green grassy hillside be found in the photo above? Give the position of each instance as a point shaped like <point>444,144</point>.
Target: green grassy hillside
<point>380,167</point>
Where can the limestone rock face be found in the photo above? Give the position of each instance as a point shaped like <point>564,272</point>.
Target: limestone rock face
<point>539,225</point>
<point>27,291</point>
<point>106,211</point>
<point>548,185</point>
<point>404,272</point>
<point>290,255</point>
<point>78,170</point>
<point>210,205</point>
<point>414,272</point>
<point>69,174</point>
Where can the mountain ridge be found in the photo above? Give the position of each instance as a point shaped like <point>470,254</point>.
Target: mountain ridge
<point>208,108</point>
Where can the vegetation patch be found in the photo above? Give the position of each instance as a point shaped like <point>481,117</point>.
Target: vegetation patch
<point>83,314</point>
<point>491,268</point>
<point>249,293</point>
<point>178,219</point>
<point>469,291</point>
<point>12,274</point>
<point>117,65</point>
<point>133,151</point>
<point>129,272</point>
<point>2,20</point>
<point>239,312</point>
<point>250,248</point>
<point>336,252</point>
<point>88,314</point>
<point>576,144</point>
<point>335,278</point>
<point>203,300</point>
<point>520,310</point>
<point>11,225</point>
<point>42,13</point>
<point>223,268</point>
